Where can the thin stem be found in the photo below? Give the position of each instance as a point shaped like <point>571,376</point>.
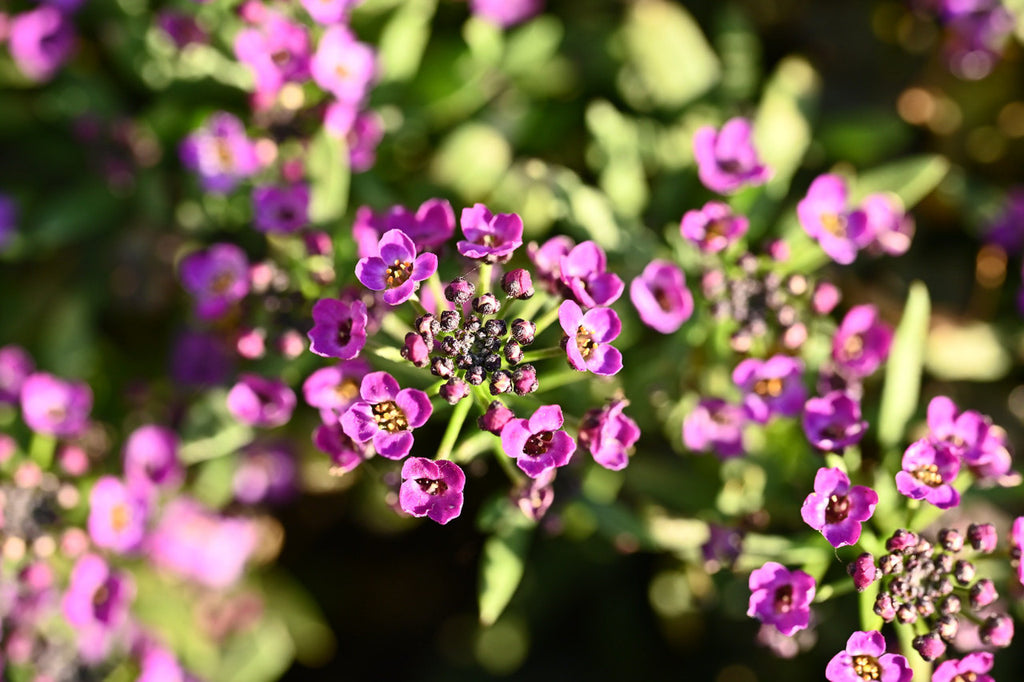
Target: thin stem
<point>922,668</point>
<point>542,354</point>
<point>441,303</point>
<point>546,320</point>
<point>505,462</point>
<point>528,308</point>
<point>568,376</point>
<point>484,281</point>
<point>451,434</point>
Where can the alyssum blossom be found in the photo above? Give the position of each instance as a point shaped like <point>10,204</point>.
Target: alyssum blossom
<point>824,215</point>
<point>588,336</point>
<point>833,422</point>
<point>837,509</point>
<point>771,387</point>
<point>55,407</point>
<point>609,434</point>
<point>714,227</point>
<point>386,415</point>
<point>861,343</point>
<point>262,402</point>
<point>865,658</point>
<point>396,270</point>
<point>583,272</point>
<point>432,489</point>
<point>538,444</point>
<point>929,470</point>
<point>339,328</point>
<point>781,597</point>
<point>660,296</point>
<point>715,425</point>
<point>217,277</point>
<point>726,158</point>
<point>488,237</point>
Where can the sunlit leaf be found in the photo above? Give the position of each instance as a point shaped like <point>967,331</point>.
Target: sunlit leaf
<point>910,179</point>
<point>903,370</point>
<point>404,38</point>
<point>501,568</point>
<point>328,168</point>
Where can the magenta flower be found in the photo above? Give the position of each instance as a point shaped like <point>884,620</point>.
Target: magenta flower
<point>833,422</point>
<point>891,228</point>
<point>281,209</point>
<point>266,472</point>
<point>971,436</point>
<point>717,426</point>
<point>861,344</point>
<point>973,667</point>
<point>582,272</point>
<point>181,28</point>
<point>714,227</point>
<point>836,509</point>
<point>329,12</point>
<point>726,159</point>
<point>547,259</point>
<point>362,138</point>
<point>929,470</point>
<point>488,237</point>
<point>589,335</point>
<point>339,329</point>
<point>8,220</point>
<point>865,659</point>
<point>1007,230</point>
<point>220,153</point>
<point>386,414</point>
<point>345,453</point>
<point>157,664</point>
<point>396,270</point>
<point>342,65</point>
<point>217,278</point>
<point>609,434</point>
<point>55,407</point>
<point>781,597</point>
<point>1017,545</point>
<point>262,402</point>
<point>432,225</point>
<point>117,515</point>
<point>151,458</point>
<point>506,13</point>
<point>96,604</point>
<point>538,444</point>
<point>771,387</point>
<point>660,296</point>
<point>431,489</point>
<point>15,366</point>
<point>333,390</point>
<point>276,50</point>
<point>825,217</point>
<point>40,41</point>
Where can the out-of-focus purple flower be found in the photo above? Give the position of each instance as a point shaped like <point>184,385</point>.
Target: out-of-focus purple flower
<point>973,667</point>
<point>824,215</point>
<point>781,597</point>
<point>771,387</point>
<point>333,390</point>
<point>201,545</point>
<point>158,664</point>
<point>582,272</point>
<point>833,422</point>
<point>277,51</point>
<point>975,39</point>
<point>266,472</point>
<point>1017,546</point>
<point>55,407</point>
<point>217,278</point>
<point>432,489</point>
<point>929,470</point>
<point>825,298</point>
<point>960,431</point>
<point>117,515</point>
<point>96,604</point>
<point>281,209</point>
<point>345,453</point>
<point>262,402</point>
<point>609,434</point>
<point>488,237</point>
<point>837,509</point>
<point>660,296</point>
<point>865,658</point>
<point>181,28</point>
<point>506,13</point>
<point>220,153</point>
<point>151,458</point>
<point>363,138</point>
<point>717,426</point>
<point>431,226</point>
<point>722,548</point>
<point>589,337</point>
<point>714,227</point>
<point>387,415</point>
<point>339,329</point>
<point>15,366</point>
<point>535,497</point>
<point>40,41</point>
<point>547,259</point>
<point>329,12</point>
<point>1007,230</point>
<point>538,444</point>
<point>342,65</point>
<point>726,158</point>
<point>8,220</point>
<point>891,228</point>
<point>861,343</point>
<point>199,359</point>
<point>396,270</point>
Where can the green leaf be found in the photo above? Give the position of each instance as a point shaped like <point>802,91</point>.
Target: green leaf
<point>261,654</point>
<point>910,179</point>
<point>501,568</point>
<point>903,370</point>
<point>782,128</point>
<point>328,169</point>
<point>472,159</point>
<point>404,38</point>
<point>210,431</point>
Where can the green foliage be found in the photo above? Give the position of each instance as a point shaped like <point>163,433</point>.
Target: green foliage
<point>903,369</point>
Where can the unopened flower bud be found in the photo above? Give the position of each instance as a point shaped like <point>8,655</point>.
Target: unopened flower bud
<point>501,382</point>
<point>863,571</point>
<point>906,614</point>
<point>825,298</point>
<point>523,331</point>
<point>930,646</point>
<point>454,390</point>
<point>449,320</point>
<point>890,564</point>
<point>442,367</point>
<point>982,537</point>
<point>517,284</point>
<point>925,607</point>
<point>983,593</point>
<point>513,352</point>
<point>495,418</point>
<point>428,326</point>
<point>496,328</point>
<point>472,323</point>
<point>524,380</point>
<point>487,304</point>
<point>459,291</point>
<point>943,563</point>
<point>885,608</point>
<point>964,572</point>
<point>491,362</point>
<point>947,627</point>
<point>950,605</point>
<point>416,350</point>
<point>901,540</point>
<point>449,346</point>
<point>475,375</point>
<point>951,540</point>
<point>997,631</point>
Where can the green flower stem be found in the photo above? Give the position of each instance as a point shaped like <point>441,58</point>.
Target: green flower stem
<point>420,310</point>
<point>563,378</point>
<point>484,283</point>
<point>527,309</point>
<point>41,450</point>
<point>542,354</point>
<point>470,447</point>
<point>922,668</point>
<point>440,302</point>
<point>394,327</point>
<point>451,434</point>
<point>869,620</point>
<point>546,320</point>
<point>505,462</point>
<point>836,589</point>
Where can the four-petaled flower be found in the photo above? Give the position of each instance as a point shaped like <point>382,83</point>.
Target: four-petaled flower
<point>837,509</point>
<point>396,270</point>
<point>660,296</point>
<point>339,328</point>
<point>386,414</point>
<point>726,158</point>
<point>861,343</point>
<point>432,489</point>
<point>864,658</point>
<point>117,515</point>
<point>825,217</point>
<point>781,597</point>
<point>971,668</point>
<point>714,227</point>
<point>538,443</point>
<point>833,421</point>
<point>583,272</point>
<point>772,386</point>
<point>609,434</point>
<point>217,278</point>
<point>55,407</point>
<point>929,470</point>
<point>715,425</point>
<point>588,337</point>
<point>491,238</point>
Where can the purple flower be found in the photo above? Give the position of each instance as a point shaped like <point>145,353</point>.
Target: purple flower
<point>339,329</point>
<point>488,237</point>
<point>334,389</point>
<point>8,220</point>
<point>363,137</point>
<point>861,343</point>
<point>825,217</point>
<point>387,415</point>
<point>538,444</point>
<point>660,296</point>
<point>863,571</point>
<point>535,497</point>
<point>714,227</point>
<point>431,226</point>
<point>825,298</point>
<point>865,659</point>
<point>726,159</point>
<point>265,473</point>
<point>199,359</point>
<point>891,228</point>
<point>262,402</point>
<point>96,604</point>
<point>117,515</point>
<point>547,259</point>
<point>342,65</point>
<point>281,209</point>
<point>277,52</point>
<point>151,458</point>
<point>1007,230</point>
<point>717,426</point>
<point>1017,545</point>
<point>506,13</point>
<point>181,28</point>
<point>781,597</point>
<point>833,421</point>
<point>345,453</point>
<point>929,470</point>
<point>55,407</point>
<point>217,278</point>
<point>158,664</point>
<point>329,12</point>
<point>770,387</point>
<point>961,432</point>
<point>431,489</point>
<point>589,335</point>
<point>40,41</point>
<point>582,272</point>
<point>609,434</point>
<point>15,366</point>
<point>971,667</point>
<point>836,509</point>
<point>722,548</point>
<point>220,153</point>
<point>396,270</point>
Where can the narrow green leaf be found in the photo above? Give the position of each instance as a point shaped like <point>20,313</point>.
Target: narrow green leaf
<point>501,569</point>
<point>782,128</point>
<point>404,38</point>
<point>328,169</point>
<point>903,370</point>
<point>910,179</point>
<point>210,431</point>
<point>261,654</point>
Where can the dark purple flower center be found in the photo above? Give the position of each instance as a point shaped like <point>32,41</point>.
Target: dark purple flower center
<point>662,298</point>
<point>929,475</point>
<point>280,57</point>
<point>345,332</point>
<point>538,443</point>
<point>838,508</point>
<point>120,517</point>
<point>867,667</point>
<point>286,214</point>
<point>768,387</point>
<point>834,224</point>
<point>398,273</point>
<point>784,599</point>
<point>432,487</point>
<point>730,165</point>
<point>585,341</point>
<point>389,417</point>
<point>717,228</point>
